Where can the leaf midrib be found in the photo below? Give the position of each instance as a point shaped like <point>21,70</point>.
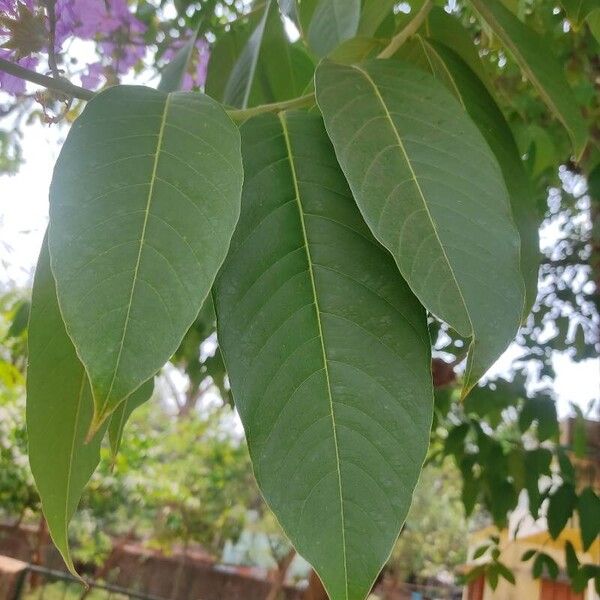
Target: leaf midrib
<point>153,178</point>
<point>418,186</point>
<point>321,338</point>
<point>68,559</point>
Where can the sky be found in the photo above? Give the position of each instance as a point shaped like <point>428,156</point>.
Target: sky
<point>24,215</point>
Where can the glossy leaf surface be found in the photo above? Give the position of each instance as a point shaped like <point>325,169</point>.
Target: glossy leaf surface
<point>143,203</point>
<point>328,356</point>
<point>539,65</point>
<point>432,192</point>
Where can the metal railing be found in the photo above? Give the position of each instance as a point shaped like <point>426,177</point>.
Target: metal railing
<point>41,583</point>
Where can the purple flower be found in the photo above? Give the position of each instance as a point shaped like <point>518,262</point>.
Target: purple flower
<point>9,83</point>
<point>93,76</point>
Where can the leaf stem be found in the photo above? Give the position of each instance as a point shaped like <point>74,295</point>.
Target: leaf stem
<point>407,32</point>
<point>58,84</point>
<point>240,115</point>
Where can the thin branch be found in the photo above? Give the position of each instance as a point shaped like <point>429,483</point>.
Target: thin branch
<point>58,84</point>
<point>407,32</point>
<point>51,10</point>
<point>241,115</point>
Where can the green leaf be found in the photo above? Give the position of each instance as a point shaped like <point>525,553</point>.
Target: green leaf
<point>539,65</point>
<point>578,10</point>
<point>537,463</point>
<point>542,561</point>
<point>172,75</point>
<point>328,356</point>
<point>121,415</point>
<point>332,22</point>
<point>479,552</point>
<point>455,441</point>
<point>269,69</point>
<point>59,409</point>
<point>19,320</point>
<point>492,575</point>
<point>588,507</point>
<point>446,29</point>
<point>444,64</point>
<point>560,508</point>
<point>593,21</point>
<point>505,572</point>
<point>431,191</point>
<point>223,56</point>
<point>143,203</point>
<point>528,555</point>
<point>241,80</point>
<point>567,470</point>
<point>470,493</point>
<point>571,560</point>
<point>541,409</point>
<point>356,50</point>
<point>373,14</point>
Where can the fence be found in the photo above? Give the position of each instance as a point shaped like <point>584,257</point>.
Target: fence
<point>41,583</point>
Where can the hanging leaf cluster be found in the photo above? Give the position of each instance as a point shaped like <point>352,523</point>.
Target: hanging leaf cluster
<point>325,195</point>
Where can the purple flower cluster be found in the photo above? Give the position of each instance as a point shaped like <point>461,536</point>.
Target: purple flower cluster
<point>109,23</point>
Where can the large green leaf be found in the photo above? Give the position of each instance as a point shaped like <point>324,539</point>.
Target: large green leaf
<point>328,356</point>
<point>332,22</point>
<point>539,65</point>
<point>143,202</point>
<point>448,67</point>
<point>59,409</point>
<point>432,193</point>
<point>269,69</point>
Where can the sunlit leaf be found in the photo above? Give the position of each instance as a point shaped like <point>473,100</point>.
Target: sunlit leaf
<point>432,192</point>
<point>328,356</point>
<point>143,203</point>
